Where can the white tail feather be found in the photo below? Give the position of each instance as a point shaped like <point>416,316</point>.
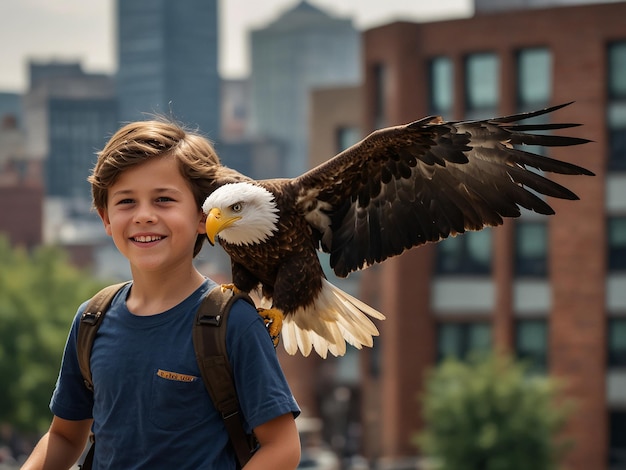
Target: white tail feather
<point>334,319</point>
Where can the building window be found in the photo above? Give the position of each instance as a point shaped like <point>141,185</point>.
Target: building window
<point>617,105</point>
<point>534,78</point>
<point>531,343</point>
<point>459,339</point>
<point>468,253</point>
<point>617,439</point>
<point>380,95</point>
<point>534,87</point>
<point>482,85</point>
<point>617,343</point>
<point>346,137</point>
<point>617,243</point>
<point>531,248</point>
<point>441,86</point>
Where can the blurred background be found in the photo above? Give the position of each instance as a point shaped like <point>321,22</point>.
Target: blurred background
<point>280,86</point>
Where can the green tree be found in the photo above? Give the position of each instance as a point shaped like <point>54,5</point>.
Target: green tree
<point>39,295</point>
<point>489,414</point>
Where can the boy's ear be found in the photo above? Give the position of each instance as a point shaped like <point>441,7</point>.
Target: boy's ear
<point>202,225</point>
<point>104,215</point>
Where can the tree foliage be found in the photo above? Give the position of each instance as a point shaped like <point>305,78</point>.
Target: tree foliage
<point>490,414</point>
<point>39,295</point>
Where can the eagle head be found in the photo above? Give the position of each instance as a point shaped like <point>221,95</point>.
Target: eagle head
<point>241,213</point>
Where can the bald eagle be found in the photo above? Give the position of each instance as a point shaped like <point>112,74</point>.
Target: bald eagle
<point>398,188</point>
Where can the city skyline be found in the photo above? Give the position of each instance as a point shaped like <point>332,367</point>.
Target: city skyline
<point>83,32</point>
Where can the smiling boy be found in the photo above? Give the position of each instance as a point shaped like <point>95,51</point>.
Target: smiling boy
<point>149,408</point>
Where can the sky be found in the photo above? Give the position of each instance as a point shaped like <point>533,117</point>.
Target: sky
<point>84,30</point>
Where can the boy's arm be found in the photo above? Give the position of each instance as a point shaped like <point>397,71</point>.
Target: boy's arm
<point>279,444</point>
<point>61,446</point>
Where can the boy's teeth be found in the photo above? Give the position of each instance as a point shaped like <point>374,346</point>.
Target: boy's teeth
<point>144,239</point>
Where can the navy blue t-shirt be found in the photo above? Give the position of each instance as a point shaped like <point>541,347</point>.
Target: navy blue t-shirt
<point>150,406</point>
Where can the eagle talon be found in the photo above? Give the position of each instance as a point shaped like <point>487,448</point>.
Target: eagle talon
<point>273,319</point>
<point>231,287</point>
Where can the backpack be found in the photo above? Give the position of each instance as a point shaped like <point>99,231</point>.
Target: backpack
<point>209,341</point>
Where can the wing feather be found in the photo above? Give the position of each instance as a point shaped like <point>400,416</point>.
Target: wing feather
<point>407,185</point>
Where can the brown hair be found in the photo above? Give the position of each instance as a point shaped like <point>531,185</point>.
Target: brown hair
<point>140,141</point>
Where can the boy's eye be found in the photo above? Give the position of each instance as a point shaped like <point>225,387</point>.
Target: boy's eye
<point>125,201</point>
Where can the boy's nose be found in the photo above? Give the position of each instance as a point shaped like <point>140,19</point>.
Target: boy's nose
<point>145,214</point>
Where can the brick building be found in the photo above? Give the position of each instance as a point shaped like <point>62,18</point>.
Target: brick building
<point>21,188</point>
<point>551,289</point>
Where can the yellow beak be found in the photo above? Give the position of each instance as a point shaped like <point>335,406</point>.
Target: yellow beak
<point>216,222</point>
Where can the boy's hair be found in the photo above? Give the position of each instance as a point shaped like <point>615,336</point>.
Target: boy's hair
<point>137,142</point>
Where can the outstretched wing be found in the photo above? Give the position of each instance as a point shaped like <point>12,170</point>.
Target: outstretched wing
<point>407,185</point>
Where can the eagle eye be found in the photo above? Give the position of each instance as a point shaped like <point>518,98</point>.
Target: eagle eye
<point>237,207</point>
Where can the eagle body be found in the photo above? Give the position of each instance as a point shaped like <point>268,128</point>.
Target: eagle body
<point>398,188</point>
<point>287,268</point>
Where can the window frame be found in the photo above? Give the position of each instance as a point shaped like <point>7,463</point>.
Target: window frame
<point>616,356</point>
<point>525,104</point>
<point>527,266</point>
<point>615,253</point>
<point>439,85</point>
<point>465,262</point>
<point>477,85</point>
<point>464,329</point>
<point>616,108</point>
<point>539,361</point>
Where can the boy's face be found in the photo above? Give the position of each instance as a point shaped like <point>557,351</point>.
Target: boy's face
<point>152,216</point>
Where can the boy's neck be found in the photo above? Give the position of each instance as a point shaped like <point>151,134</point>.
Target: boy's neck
<point>153,293</point>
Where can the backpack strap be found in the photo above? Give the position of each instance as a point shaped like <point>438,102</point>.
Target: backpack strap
<point>88,327</point>
<point>209,339</point>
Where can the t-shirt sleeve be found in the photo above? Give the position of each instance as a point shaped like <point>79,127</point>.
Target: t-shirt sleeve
<point>71,399</point>
<point>263,391</point>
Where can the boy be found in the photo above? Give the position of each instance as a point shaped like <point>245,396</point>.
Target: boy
<point>149,408</point>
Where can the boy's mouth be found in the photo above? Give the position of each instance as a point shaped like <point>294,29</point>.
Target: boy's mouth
<point>147,238</point>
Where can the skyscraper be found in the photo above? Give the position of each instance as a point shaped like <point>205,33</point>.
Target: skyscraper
<point>305,48</point>
<point>167,54</point>
<point>68,115</point>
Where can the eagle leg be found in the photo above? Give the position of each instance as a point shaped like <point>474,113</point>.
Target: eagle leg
<point>273,319</point>
<point>232,287</point>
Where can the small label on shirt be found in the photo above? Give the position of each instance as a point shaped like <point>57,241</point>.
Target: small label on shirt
<point>176,376</point>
